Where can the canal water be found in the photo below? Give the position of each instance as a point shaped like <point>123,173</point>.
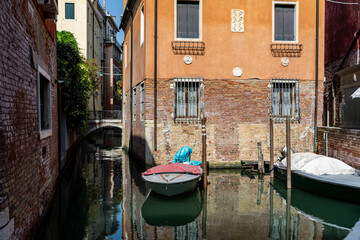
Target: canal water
<point>102,196</point>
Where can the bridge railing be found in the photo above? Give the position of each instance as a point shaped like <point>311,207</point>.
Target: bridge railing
<point>106,114</point>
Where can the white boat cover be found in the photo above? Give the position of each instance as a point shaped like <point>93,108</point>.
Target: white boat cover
<point>318,164</point>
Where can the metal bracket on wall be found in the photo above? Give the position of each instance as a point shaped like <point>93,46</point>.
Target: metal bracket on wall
<point>286,49</point>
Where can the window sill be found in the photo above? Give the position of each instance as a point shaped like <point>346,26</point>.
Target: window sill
<point>45,134</point>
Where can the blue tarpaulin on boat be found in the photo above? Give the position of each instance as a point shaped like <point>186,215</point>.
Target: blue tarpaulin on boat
<point>183,155</point>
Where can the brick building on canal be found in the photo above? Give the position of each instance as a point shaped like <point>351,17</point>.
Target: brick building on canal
<point>28,114</point>
<point>340,136</point>
<point>236,64</point>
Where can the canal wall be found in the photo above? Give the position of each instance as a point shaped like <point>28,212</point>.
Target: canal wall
<point>28,115</point>
<point>340,143</point>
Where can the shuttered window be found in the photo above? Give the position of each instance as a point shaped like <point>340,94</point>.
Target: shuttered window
<point>69,11</point>
<point>187,19</point>
<point>285,98</point>
<point>284,22</point>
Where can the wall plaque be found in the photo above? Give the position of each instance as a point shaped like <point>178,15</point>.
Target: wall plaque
<point>237,20</point>
<point>188,59</point>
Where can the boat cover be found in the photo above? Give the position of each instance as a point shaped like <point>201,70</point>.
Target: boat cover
<point>318,164</point>
<point>183,155</point>
<point>174,168</point>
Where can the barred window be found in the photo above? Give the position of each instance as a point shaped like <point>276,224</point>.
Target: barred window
<point>188,98</point>
<point>285,98</point>
<point>142,102</point>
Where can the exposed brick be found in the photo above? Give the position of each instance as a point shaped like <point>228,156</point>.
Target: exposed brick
<point>20,156</point>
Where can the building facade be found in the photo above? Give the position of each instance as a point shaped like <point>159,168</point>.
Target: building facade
<point>29,156</point>
<point>95,30</point>
<point>340,135</point>
<point>235,66</point>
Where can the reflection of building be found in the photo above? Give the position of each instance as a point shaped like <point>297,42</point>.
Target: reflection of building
<point>340,138</point>
<point>28,119</point>
<point>237,64</point>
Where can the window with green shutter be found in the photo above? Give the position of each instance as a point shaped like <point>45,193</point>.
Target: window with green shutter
<point>69,11</point>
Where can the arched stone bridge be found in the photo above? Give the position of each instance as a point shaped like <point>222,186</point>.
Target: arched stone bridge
<point>106,118</point>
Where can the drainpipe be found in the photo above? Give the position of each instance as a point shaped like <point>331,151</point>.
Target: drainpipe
<point>316,73</point>
<point>131,77</point>
<point>155,78</point>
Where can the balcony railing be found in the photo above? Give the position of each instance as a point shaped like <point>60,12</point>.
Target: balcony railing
<point>106,115</point>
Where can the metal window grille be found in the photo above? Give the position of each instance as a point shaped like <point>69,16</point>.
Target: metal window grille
<point>285,99</point>
<point>188,99</point>
<point>142,101</point>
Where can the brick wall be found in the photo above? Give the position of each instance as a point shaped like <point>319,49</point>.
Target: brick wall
<point>343,144</point>
<point>237,113</point>
<point>28,166</point>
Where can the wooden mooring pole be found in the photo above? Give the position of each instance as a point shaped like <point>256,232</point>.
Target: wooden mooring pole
<point>288,152</point>
<point>204,166</point>
<point>261,169</point>
<point>271,148</point>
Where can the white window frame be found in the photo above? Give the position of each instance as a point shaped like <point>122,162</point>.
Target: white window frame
<point>142,25</point>
<point>45,132</point>
<point>296,27</point>
<point>200,22</point>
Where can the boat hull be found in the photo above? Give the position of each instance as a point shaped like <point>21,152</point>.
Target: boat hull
<point>318,186</point>
<point>175,188</point>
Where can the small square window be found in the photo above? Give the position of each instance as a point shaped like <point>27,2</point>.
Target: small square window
<point>69,11</point>
<point>285,98</point>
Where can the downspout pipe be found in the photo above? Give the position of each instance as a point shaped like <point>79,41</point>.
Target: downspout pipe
<point>131,77</point>
<point>155,78</point>
<point>316,74</point>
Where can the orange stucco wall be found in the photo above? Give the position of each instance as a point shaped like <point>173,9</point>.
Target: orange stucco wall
<point>224,50</point>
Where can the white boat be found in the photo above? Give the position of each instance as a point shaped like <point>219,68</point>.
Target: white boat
<point>322,175</point>
<point>172,179</point>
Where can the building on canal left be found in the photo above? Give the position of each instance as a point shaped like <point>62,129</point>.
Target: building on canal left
<point>236,63</point>
<point>28,114</point>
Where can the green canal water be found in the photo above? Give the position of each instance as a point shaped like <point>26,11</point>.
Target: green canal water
<point>102,196</point>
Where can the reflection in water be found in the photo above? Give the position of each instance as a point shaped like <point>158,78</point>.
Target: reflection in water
<point>158,210</point>
<point>106,198</point>
<point>88,203</point>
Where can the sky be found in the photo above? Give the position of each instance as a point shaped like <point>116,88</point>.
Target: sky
<point>115,8</point>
